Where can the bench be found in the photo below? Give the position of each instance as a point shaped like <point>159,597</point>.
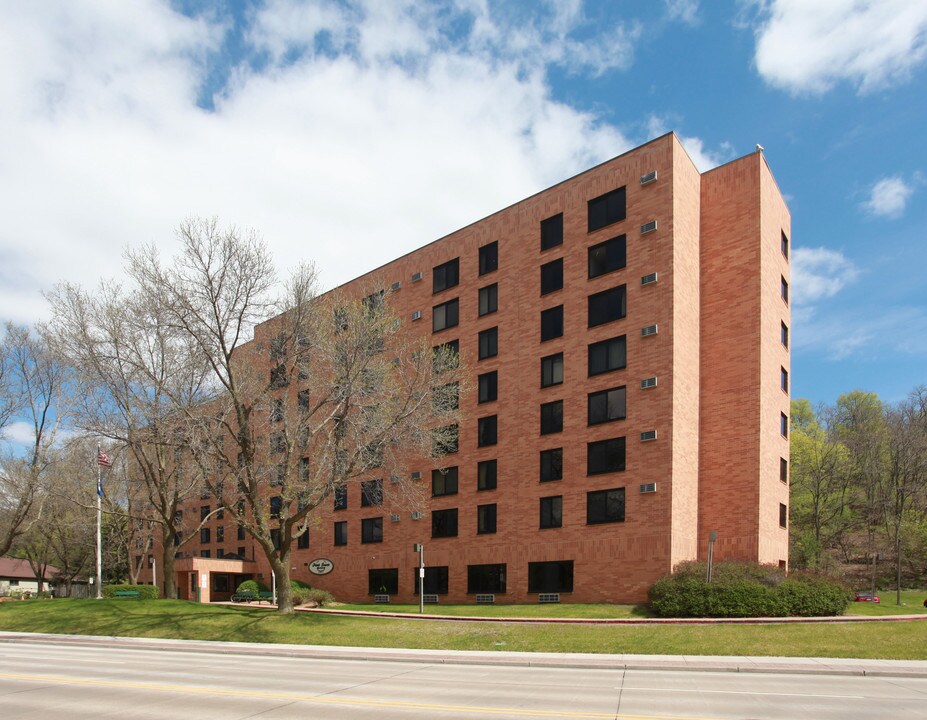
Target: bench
<point>127,594</point>
<point>244,596</point>
<point>266,596</point>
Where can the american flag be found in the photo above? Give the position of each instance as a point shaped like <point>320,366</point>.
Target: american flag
<point>103,459</point>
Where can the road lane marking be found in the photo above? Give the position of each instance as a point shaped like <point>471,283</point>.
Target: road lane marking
<point>329,700</point>
<point>743,692</point>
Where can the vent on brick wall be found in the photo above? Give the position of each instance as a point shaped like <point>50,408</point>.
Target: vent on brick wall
<point>648,435</point>
<point>485,599</point>
<point>396,286</point>
<point>648,331</point>
<point>648,383</point>
<point>548,597</point>
<point>649,177</point>
<point>416,515</point>
<point>416,276</point>
<point>416,475</point>
<point>649,488</point>
<point>649,279</point>
<point>381,598</point>
<point>394,518</point>
<point>430,599</point>
<point>417,315</point>
<point>648,227</point>
<point>394,479</point>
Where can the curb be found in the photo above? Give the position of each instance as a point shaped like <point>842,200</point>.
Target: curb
<point>583,661</point>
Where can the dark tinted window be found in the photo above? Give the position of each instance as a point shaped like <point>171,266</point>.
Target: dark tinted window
<point>607,256</point>
<point>435,580</point>
<point>552,232</point>
<point>371,493</point>
<point>487,431</point>
<point>607,355</point>
<point>444,481</point>
<point>486,519</point>
<point>607,305</point>
<point>551,276</point>
<point>783,470</point>
<point>444,523</point>
<point>486,578</point>
<point>486,475</point>
<point>605,506</point>
<point>784,337</point>
<point>383,582</point>
<point>446,275</point>
<point>605,456</point>
<point>551,370</point>
<point>489,258</point>
<point>551,464</point>
<point>607,209</point>
<point>488,386</point>
<point>341,533</point>
<point>489,343</point>
<point>550,577</point>
<point>551,512</point>
<point>552,417</point>
<point>372,530</point>
<point>607,405</point>
<point>489,299</point>
<point>302,541</point>
<point>445,315</point>
<point>551,323</point>
<point>341,497</point>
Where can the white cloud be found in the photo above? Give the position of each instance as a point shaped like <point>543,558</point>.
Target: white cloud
<point>684,11</point>
<point>704,158</point>
<point>808,46</point>
<point>19,433</point>
<point>819,273</point>
<point>841,335</point>
<point>888,197</point>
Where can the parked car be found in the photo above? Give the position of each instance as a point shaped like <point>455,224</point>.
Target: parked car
<point>868,597</point>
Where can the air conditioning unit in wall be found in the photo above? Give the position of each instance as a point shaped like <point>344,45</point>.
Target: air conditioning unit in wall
<point>485,599</point>
<point>648,435</point>
<point>415,475</point>
<point>396,286</point>
<point>416,276</point>
<point>648,227</point>
<point>648,331</point>
<point>648,488</point>
<point>649,279</point>
<point>416,515</point>
<point>417,315</point>
<point>548,597</point>
<point>649,177</point>
<point>648,383</point>
<point>394,518</point>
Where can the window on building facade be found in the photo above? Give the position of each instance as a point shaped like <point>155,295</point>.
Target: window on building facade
<point>220,534</point>
<point>446,275</point>
<point>276,410</point>
<point>551,512</point>
<point>372,530</point>
<point>551,370</point>
<point>608,355</point>
<point>205,553</point>
<point>489,343</point>
<point>204,535</point>
<point>278,442</point>
<point>444,440</point>
<point>552,417</point>
<point>784,289</point>
<point>783,470</point>
<point>445,356</point>
<point>445,315</point>
<point>435,580</point>
<point>486,519</point>
<point>486,475</point>
<point>302,540</point>
<point>204,511</point>
<point>383,581</point>
<point>341,532</point>
<point>607,405</point>
<point>489,258</point>
<point>607,209</point>
<point>784,336</point>
<point>551,276</point>
<point>489,299</point>
<point>487,431</point>
<point>783,515</point>
<point>605,456</point>
<point>552,323</point>
<point>372,492</point>
<point>607,257</point>
<point>784,425</point>
<point>488,386</point>
<point>240,533</point>
<point>552,232</point>
<point>276,505</point>
<point>607,306</point>
<point>444,523</point>
<point>444,481</point>
<point>550,577</point>
<point>551,464</point>
<point>785,245</point>
<point>784,379</point>
<point>486,578</point>
<point>341,497</point>
<point>279,377</point>
<point>445,397</point>
<point>605,506</point>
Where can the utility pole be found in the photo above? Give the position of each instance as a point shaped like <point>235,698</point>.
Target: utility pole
<point>420,549</point>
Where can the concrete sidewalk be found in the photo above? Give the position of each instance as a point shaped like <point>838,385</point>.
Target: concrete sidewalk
<point>697,663</point>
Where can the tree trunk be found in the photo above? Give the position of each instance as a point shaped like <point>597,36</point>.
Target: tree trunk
<point>281,566</point>
<point>167,563</point>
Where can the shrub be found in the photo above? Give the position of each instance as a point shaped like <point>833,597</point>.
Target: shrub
<point>298,585</point>
<point>304,595</point>
<point>146,592</point>
<point>255,586</point>
<point>740,589</point>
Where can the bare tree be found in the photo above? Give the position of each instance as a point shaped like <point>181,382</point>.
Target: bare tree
<point>330,390</point>
<point>140,375</point>
<point>38,390</point>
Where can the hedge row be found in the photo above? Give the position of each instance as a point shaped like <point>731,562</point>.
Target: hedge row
<point>145,592</point>
<point>302,593</point>
<point>747,590</point>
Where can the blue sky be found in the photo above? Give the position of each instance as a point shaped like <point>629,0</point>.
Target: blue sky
<point>351,132</point>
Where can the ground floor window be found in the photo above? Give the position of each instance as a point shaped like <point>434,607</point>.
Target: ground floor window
<point>384,581</point>
<point>486,578</point>
<point>550,577</point>
<point>435,580</point>
<point>220,582</point>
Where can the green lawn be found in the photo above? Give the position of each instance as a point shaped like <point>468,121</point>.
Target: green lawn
<point>553,610</point>
<point>178,619</point>
<point>912,603</point>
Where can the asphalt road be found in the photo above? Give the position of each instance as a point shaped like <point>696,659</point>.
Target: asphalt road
<point>48,679</point>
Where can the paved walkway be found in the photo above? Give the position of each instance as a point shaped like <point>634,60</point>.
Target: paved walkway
<point>697,663</point>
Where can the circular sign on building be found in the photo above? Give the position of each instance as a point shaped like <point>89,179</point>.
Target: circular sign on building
<point>321,566</point>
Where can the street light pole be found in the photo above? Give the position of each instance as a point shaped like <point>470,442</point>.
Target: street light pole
<point>420,549</point>
<point>712,536</point>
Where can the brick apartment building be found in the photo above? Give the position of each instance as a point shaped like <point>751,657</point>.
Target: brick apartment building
<point>627,332</point>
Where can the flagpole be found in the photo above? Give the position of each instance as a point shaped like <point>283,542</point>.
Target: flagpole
<point>99,525</point>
